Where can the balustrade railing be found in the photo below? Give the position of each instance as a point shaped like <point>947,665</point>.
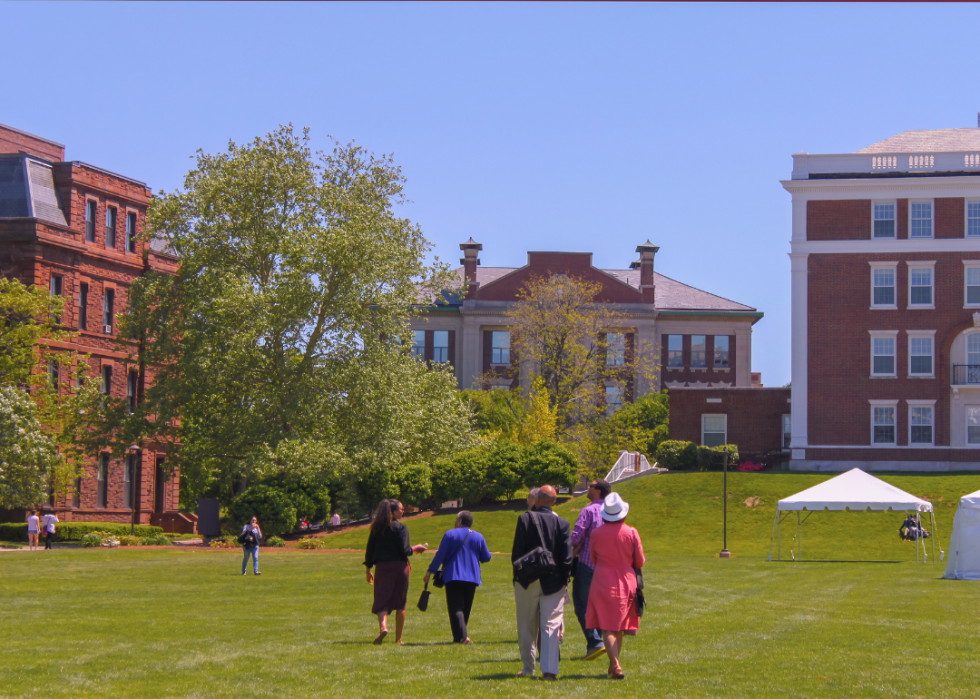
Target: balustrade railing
<point>966,375</point>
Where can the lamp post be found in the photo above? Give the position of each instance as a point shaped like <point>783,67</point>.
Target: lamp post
<point>725,553</point>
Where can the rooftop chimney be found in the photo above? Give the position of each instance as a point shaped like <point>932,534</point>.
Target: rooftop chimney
<point>647,252</point>
<point>470,262</point>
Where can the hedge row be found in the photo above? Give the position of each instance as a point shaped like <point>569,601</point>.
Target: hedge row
<point>74,531</point>
<point>676,455</point>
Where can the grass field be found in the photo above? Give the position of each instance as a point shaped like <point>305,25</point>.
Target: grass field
<point>185,623</point>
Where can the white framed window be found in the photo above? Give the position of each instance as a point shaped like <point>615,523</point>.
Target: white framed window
<point>714,430</point>
<point>920,218</point>
<point>921,280</point>
<point>500,347</point>
<point>90,210</point>
<point>440,346</point>
<point>721,352</point>
<point>614,399</point>
<point>973,218</point>
<point>675,351</point>
<point>883,422</point>
<point>787,431</point>
<point>699,357</point>
<point>418,343</point>
<point>883,285</point>
<point>131,232</point>
<point>922,352</point>
<point>971,283</point>
<point>883,352</point>
<point>615,349</point>
<point>921,421</point>
<point>102,497</point>
<point>973,424</point>
<point>883,219</point>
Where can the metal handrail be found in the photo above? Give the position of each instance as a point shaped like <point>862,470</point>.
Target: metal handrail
<point>966,375</point>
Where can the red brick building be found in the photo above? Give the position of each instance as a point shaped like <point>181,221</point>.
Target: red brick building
<point>885,297</point>
<point>71,228</point>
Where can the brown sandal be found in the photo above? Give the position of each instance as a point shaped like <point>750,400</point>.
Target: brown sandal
<point>380,638</point>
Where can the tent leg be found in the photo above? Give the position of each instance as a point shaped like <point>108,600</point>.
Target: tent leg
<point>932,518</point>
<point>773,533</point>
<point>779,537</point>
<point>799,535</point>
<point>919,539</point>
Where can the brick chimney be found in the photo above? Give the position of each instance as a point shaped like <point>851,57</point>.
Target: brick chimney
<point>470,261</point>
<point>647,252</point>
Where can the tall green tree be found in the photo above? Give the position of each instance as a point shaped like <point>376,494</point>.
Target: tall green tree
<point>285,321</point>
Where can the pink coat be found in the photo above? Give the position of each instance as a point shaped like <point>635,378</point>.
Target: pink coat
<point>612,597</point>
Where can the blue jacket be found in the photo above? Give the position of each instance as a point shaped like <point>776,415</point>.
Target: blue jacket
<point>465,565</point>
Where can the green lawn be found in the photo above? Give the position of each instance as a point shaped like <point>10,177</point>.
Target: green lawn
<point>185,623</point>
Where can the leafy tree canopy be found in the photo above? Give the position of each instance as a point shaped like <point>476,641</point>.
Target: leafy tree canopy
<point>27,454</point>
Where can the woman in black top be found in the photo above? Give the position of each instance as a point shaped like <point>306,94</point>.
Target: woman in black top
<point>387,552</point>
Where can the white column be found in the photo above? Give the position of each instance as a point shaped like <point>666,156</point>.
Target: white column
<point>799,287</point>
<point>743,353</point>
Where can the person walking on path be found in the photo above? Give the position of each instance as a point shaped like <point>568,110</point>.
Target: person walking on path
<point>461,551</point>
<point>47,529</point>
<point>616,552</point>
<point>388,549</point>
<point>250,537</point>
<point>32,529</point>
<point>540,604</point>
<point>588,521</point>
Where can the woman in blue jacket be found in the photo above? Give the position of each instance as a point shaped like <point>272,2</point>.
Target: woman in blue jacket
<point>461,552</point>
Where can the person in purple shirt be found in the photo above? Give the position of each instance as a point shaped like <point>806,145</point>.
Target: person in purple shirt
<point>461,551</point>
<point>588,520</point>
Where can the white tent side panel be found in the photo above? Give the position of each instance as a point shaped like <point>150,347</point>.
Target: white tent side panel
<point>964,544</point>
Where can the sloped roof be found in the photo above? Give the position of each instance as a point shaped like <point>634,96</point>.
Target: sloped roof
<point>854,490</point>
<point>928,140</point>
<point>27,190</point>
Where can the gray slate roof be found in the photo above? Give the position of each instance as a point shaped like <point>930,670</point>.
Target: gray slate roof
<point>928,140</point>
<point>27,190</point>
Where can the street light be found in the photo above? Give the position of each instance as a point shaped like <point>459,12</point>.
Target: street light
<point>725,553</point>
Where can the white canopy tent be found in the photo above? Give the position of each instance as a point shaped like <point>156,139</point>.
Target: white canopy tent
<point>964,544</point>
<point>852,490</point>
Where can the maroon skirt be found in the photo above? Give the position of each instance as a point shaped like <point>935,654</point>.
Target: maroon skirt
<point>390,586</point>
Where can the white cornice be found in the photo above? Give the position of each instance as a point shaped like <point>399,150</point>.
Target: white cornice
<point>886,246</point>
<point>896,188</point>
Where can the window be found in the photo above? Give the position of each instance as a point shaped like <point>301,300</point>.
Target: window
<point>884,220</point>
<point>76,496</point>
<point>615,349</point>
<point>107,380</point>
<point>418,343</point>
<point>698,351</point>
<point>440,346</point>
<point>614,399</point>
<point>883,353</point>
<point>971,274</point>
<point>500,347</point>
<point>920,422</point>
<point>128,478</point>
<point>55,286</point>
<point>131,232</point>
<point>920,352</point>
<point>54,372</point>
<point>103,481</point>
<point>920,284</point>
<point>920,219</point>
<point>108,303</point>
<point>883,284</point>
<point>973,424</point>
<point>721,351</point>
<point>132,382</point>
<point>110,227</point>
<point>714,430</point>
<point>83,306</point>
<point>787,431</point>
<point>883,424</point>
<point>675,351</point>
<point>90,208</point>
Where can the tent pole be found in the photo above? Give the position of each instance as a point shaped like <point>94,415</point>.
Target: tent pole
<point>918,536</point>
<point>799,535</point>
<point>772,534</point>
<point>932,517</point>
<point>779,535</point>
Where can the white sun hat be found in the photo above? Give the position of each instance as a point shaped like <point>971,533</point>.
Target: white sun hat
<point>614,508</point>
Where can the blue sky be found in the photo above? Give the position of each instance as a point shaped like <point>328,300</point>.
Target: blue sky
<point>588,127</point>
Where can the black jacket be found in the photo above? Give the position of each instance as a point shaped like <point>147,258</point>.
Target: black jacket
<point>391,545</point>
<point>557,539</point>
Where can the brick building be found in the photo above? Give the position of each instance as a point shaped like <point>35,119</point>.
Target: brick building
<point>885,298</point>
<point>71,228</point>
<point>702,340</point>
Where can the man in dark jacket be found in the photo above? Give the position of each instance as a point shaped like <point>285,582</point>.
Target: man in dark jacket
<point>540,605</point>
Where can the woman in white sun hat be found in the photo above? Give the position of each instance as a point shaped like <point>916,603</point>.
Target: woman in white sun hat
<point>616,551</point>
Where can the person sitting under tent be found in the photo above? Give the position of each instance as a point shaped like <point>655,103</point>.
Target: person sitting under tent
<point>911,530</point>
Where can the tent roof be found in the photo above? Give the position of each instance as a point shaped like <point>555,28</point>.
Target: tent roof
<point>972,501</point>
<point>855,490</point>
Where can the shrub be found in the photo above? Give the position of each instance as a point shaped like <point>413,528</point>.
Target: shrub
<point>506,466</point>
<point>127,540</point>
<point>311,543</point>
<point>275,542</point>
<point>272,506</point>
<point>158,540</point>
<point>713,458</point>
<point>676,455</point>
<point>224,542</point>
<point>414,483</point>
<point>74,531</point>
<point>92,539</point>
<point>549,463</point>
<point>463,476</point>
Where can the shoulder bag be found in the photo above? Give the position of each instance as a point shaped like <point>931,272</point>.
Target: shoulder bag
<point>424,599</point>
<point>437,580</point>
<point>641,600</point>
<point>536,563</point>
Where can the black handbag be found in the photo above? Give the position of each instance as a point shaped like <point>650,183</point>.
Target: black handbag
<point>424,599</point>
<point>437,580</point>
<point>641,600</point>
<point>535,563</point>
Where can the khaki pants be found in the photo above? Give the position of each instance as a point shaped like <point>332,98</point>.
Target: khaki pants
<point>536,610</point>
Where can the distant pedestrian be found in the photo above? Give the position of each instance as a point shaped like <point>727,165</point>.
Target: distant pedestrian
<point>250,537</point>
<point>47,528</point>
<point>335,520</point>
<point>461,551</point>
<point>588,521</point>
<point>388,549</point>
<point>33,526</point>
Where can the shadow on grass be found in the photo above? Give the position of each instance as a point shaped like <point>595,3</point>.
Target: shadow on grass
<point>515,676</point>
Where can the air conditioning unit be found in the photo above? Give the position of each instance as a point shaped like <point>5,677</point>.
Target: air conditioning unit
<point>108,329</point>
